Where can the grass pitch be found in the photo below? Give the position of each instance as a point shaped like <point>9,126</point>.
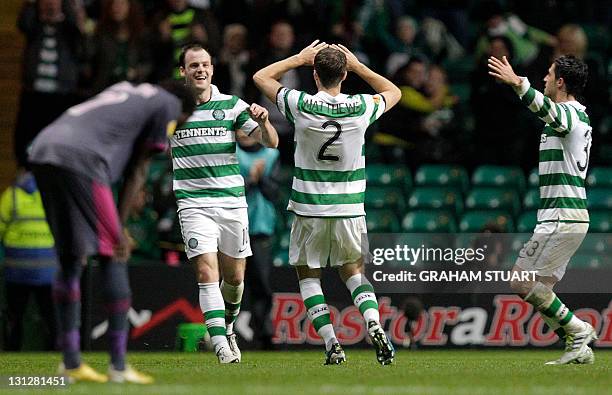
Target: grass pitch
<point>301,372</point>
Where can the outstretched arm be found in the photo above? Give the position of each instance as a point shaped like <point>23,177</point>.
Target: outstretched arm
<point>380,84</point>
<point>267,78</point>
<point>555,115</point>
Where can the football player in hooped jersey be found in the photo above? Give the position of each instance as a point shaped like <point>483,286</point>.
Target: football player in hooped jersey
<point>563,219</point>
<point>209,190</point>
<point>329,181</point>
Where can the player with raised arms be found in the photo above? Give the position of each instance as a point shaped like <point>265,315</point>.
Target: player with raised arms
<point>563,219</point>
<point>329,181</point>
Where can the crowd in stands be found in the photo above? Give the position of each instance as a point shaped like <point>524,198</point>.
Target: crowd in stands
<point>451,111</point>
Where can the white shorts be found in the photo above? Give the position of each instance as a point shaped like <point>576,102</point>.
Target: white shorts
<point>314,241</point>
<point>551,247</point>
<point>212,229</point>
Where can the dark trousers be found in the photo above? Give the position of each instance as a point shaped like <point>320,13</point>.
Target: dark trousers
<point>17,298</point>
<point>257,278</point>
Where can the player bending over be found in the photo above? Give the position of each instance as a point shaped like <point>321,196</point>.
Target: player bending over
<point>75,160</point>
<point>209,190</point>
<point>563,219</point>
<point>329,181</point>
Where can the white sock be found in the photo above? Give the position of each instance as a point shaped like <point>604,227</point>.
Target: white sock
<point>363,297</point>
<point>211,303</point>
<point>318,311</point>
<point>232,296</point>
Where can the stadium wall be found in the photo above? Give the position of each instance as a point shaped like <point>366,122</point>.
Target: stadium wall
<point>164,297</point>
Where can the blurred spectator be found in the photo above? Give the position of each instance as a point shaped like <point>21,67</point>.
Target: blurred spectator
<point>424,110</point>
<point>404,45</point>
<point>142,227</point>
<point>281,41</point>
<point>176,25</point>
<point>119,51</point>
<point>52,30</point>
<point>526,40</point>
<point>259,166</point>
<point>234,68</point>
<point>572,40</point>
<point>30,260</point>
<point>503,135</point>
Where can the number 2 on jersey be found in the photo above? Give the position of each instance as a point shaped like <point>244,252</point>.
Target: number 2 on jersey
<point>322,155</point>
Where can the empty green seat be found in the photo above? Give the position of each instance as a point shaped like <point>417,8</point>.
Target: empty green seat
<point>595,243</point>
<point>601,221</point>
<point>600,177</point>
<point>281,258</point>
<point>477,221</point>
<point>435,198</point>
<point>534,178</point>
<point>380,220</point>
<point>493,199</point>
<point>531,200</point>
<point>385,197</point>
<point>499,176</point>
<point>600,198</point>
<point>425,221</point>
<point>588,261</point>
<point>527,221</point>
<point>283,240</point>
<point>383,175</point>
<point>442,175</point>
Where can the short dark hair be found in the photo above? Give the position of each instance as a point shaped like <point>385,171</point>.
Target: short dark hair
<point>189,47</point>
<point>184,93</point>
<point>574,73</point>
<point>330,65</point>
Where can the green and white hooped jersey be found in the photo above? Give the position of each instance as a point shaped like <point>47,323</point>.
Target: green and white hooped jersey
<point>329,175</point>
<point>565,144</point>
<point>204,161</point>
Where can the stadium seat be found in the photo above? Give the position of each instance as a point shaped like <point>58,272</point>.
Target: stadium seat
<point>476,221</point>
<point>426,221</point>
<point>493,199</point>
<point>499,176</point>
<point>385,197</point>
<point>601,221</point>
<point>600,177</point>
<point>531,199</point>
<point>281,258</point>
<point>534,178</point>
<point>599,198</point>
<point>589,261</point>
<point>596,243</point>
<point>380,220</point>
<point>442,175</point>
<point>283,240</point>
<point>436,198</point>
<point>527,221</point>
<point>388,175</point>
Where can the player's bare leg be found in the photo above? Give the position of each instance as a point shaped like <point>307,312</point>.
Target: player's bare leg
<point>232,287</point>
<point>318,313</point>
<point>578,333</point>
<point>211,303</point>
<point>364,299</point>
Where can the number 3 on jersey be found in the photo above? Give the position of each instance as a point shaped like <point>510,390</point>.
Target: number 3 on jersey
<point>322,155</point>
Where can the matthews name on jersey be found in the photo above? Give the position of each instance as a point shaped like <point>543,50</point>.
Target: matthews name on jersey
<point>329,174</point>
<point>565,144</point>
<point>206,171</point>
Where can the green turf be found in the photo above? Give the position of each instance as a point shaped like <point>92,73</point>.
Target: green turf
<point>301,372</point>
